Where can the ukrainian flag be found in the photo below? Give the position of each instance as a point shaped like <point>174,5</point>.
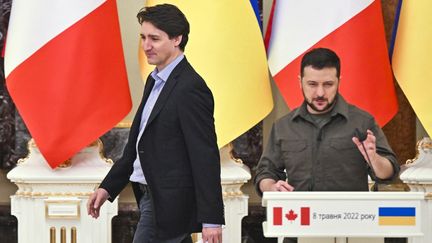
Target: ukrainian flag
<point>397,216</point>
<point>226,48</point>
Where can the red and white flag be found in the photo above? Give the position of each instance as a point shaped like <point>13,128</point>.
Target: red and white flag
<point>291,216</point>
<point>354,29</point>
<point>66,73</point>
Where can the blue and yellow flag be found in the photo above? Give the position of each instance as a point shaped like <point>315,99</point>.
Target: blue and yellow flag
<point>393,216</point>
<point>226,48</point>
<point>411,57</point>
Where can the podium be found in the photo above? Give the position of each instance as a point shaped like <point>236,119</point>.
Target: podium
<point>345,214</point>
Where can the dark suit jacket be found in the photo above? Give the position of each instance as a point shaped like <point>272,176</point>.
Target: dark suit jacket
<point>179,156</point>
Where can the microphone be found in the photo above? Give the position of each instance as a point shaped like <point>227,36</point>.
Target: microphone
<point>361,136</point>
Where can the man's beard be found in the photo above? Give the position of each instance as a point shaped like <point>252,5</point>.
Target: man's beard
<point>327,108</point>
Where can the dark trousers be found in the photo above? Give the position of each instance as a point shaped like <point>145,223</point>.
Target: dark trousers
<point>145,232</point>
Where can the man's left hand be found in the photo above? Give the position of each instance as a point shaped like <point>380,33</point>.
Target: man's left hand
<point>382,167</point>
<point>369,147</point>
<point>212,235</point>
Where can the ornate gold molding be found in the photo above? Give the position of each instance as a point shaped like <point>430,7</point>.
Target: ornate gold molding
<point>231,149</point>
<point>232,190</point>
<point>63,234</point>
<point>52,194</point>
<point>194,237</point>
<point>67,163</point>
<point>52,234</point>
<point>74,204</point>
<point>422,144</point>
<point>410,161</point>
<point>73,234</point>
<point>43,190</point>
<point>30,145</point>
<point>232,194</point>
<point>426,144</point>
<point>101,152</point>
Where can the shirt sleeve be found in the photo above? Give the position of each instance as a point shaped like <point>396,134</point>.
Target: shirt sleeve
<point>271,164</point>
<point>383,149</point>
<point>211,225</point>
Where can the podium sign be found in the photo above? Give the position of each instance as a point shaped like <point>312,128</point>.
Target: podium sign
<point>333,214</point>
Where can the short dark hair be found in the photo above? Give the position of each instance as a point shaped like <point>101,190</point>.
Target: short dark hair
<point>167,18</point>
<point>320,58</point>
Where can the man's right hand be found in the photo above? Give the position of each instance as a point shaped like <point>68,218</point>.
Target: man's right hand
<point>276,186</point>
<point>95,202</point>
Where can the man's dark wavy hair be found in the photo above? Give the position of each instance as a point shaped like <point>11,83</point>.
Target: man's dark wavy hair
<point>320,58</point>
<point>167,18</point>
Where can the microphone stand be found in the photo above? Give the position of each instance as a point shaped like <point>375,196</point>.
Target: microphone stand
<point>362,137</point>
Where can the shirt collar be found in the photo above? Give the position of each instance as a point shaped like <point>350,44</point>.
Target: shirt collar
<point>165,73</point>
<point>341,107</point>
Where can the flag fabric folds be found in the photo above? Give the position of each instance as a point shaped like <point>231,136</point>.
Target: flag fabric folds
<point>354,30</point>
<point>410,59</point>
<point>255,7</point>
<point>65,71</point>
<point>226,48</point>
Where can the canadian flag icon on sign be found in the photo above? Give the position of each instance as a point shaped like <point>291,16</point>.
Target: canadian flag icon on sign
<point>305,216</point>
<point>277,216</point>
<point>291,215</point>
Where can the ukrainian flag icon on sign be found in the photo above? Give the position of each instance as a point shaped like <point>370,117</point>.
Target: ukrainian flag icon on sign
<point>397,216</point>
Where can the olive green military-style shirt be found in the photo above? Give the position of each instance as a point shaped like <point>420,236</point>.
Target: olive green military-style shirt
<point>319,155</point>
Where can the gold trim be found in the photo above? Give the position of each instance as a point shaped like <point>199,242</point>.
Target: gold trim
<point>423,144</point>
<point>94,144</point>
<point>101,152</point>
<point>232,190</point>
<point>52,235</point>
<point>73,235</point>
<point>30,144</point>
<point>124,125</point>
<point>63,234</point>
<point>410,161</point>
<point>428,196</point>
<point>44,190</point>
<point>232,194</point>
<point>194,237</point>
<point>67,163</point>
<point>74,203</point>
<point>426,143</point>
<point>231,149</point>
<point>53,194</point>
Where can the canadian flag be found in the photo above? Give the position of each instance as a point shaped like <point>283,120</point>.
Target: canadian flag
<point>354,29</point>
<point>66,73</point>
<point>291,216</point>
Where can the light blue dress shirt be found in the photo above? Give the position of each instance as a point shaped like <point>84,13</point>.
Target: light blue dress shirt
<point>160,78</point>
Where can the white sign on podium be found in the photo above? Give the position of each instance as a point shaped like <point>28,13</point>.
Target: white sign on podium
<point>348,214</point>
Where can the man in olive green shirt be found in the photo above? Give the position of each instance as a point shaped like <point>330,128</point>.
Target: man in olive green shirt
<point>316,147</point>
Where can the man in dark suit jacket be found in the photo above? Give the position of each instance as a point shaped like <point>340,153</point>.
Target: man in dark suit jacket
<point>171,157</point>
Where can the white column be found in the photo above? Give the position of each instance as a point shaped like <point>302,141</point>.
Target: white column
<point>57,198</point>
<point>234,174</point>
<point>417,174</point>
